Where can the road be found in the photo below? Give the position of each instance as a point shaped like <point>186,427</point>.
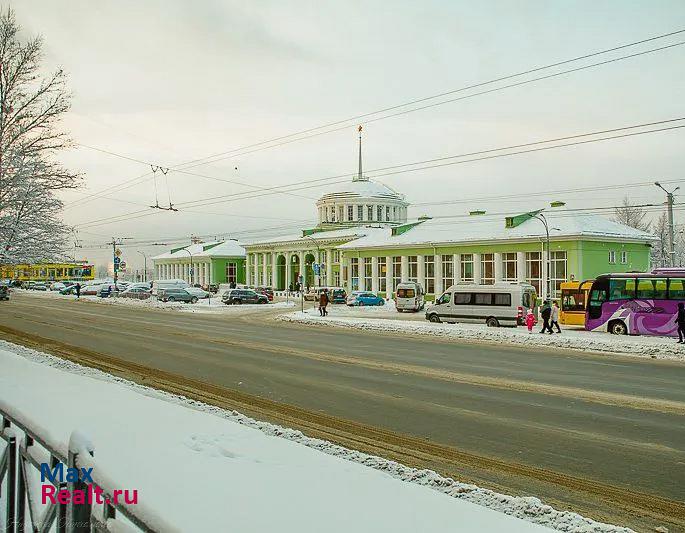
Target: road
<point>602,435</point>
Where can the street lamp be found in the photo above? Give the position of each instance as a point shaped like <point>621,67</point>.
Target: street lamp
<point>191,264</point>
<point>547,280</point>
<point>319,254</point>
<point>671,239</point>
<point>145,265</point>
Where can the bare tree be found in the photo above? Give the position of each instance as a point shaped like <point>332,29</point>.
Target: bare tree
<point>31,106</point>
<point>632,216</point>
<point>659,254</point>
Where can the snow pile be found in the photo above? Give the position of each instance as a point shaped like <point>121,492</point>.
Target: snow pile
<point>654,347</point>
<point>247,466</point>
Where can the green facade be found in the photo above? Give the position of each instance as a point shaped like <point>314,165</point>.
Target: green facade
<point>219,269</point>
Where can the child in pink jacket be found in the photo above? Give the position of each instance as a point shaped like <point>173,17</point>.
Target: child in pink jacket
<point>530,321</point>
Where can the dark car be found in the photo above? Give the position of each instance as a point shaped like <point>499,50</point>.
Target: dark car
<point>243,296</point>
<point>4,292</point>
<point>175,294</point>
<point>338,296</point>
<point>266,291</point>
<point>40,286</point>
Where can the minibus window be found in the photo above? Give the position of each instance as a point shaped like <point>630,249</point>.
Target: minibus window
<point>462,298</point>
<point>444,299</point>
<point>483,299</point>
<point>503,299</point>
<point>406,293</point>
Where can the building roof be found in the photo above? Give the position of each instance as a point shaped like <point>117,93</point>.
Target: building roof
<point>354,232</point>
<point>229,248</point>
<point>363,189</point>
<point>485,228</point>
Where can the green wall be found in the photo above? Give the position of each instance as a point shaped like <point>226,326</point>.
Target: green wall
<point>219,269</point>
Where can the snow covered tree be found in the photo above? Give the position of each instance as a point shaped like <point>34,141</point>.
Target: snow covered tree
<point>631,216</point>
<point>31,105</point>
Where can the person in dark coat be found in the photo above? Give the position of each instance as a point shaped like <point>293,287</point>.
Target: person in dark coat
<point>78,290</point>
<point>323,302</point>
<point>680,320</point>
<point>546,314</point>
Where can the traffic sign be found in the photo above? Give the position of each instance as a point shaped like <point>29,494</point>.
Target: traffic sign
<point>122,265</point>
<point>117,260</point>
<point>117,252</point>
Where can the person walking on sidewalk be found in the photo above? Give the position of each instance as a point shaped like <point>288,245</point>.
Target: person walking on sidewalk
<point>546,314</point>
<point>530,320</point>
<point>323,303</point>
<point>78,291</point>
<point>555,317</point>
<point>680,320</point>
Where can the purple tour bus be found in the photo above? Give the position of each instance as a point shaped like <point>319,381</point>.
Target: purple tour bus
<point>636,303</point>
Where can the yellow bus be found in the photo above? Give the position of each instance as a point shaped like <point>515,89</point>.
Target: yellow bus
<point>74,271</point>
<point>574,296</point>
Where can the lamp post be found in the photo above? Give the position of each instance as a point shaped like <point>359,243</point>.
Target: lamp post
<point>319,254</point>
<point>191,265</point>
<point>671,239</point>
<point>548,255</point>
<point>144,263</point>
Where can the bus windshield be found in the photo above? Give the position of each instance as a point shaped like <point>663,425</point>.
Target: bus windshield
<point>406,293</point>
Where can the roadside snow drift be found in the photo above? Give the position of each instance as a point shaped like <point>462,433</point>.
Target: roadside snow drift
<point>206,469</point>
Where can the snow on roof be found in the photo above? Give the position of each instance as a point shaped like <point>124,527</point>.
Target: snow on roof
<point>206,249</point>
<point>483,228</point>
<point>354,232</point>
<point>364,189</point>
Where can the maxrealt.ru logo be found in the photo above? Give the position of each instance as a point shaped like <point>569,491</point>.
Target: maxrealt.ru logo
<point>92,493</point>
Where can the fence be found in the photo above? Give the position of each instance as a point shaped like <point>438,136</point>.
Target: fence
<point>26,449</point>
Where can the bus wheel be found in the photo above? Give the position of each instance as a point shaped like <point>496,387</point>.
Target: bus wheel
<point>492,322</point>
<point>434,318</point>
<point>618,327</point>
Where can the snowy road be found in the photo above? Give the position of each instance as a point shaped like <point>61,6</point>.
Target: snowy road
<point>602,435</point>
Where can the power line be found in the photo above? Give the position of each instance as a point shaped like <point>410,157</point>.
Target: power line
<point>196,162</point>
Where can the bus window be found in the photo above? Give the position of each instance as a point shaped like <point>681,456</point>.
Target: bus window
<point>573,301</point>
<point>462,298</point>
<point>621,289</point>
<point>503,299</point>
<point>651,288</point>
<point>483,298</point>
<point>676,289</point>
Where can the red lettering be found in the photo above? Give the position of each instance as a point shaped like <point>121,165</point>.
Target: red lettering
<point>115,495</point>
<point>48,493</point>
<point>79,497</point>
<point>63,496</point>
<point>98,495</point>
<point>133,500</point>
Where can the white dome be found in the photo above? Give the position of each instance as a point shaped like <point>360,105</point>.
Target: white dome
<point>364,189</point>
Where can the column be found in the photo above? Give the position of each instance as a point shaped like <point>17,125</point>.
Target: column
<point>438,275</point>
<point>421,270</point>
<point>497,257</point>
<point>302,268</point>
<point>274,269</point>
<point>265,275</point>
<point>521,266</point>
<point>545,274</point>
<point>374,274</point>
<point>388,277</point>
<point>329,267</point>
<point>404,271</point>
<point>348,266</point>
<point>288,271</point>
<point>248,268</point>
<point>476,269</point>
<point>209,273</point>
<point>362,266</point>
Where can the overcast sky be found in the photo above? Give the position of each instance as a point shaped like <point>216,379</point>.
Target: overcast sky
<point>169,81</point>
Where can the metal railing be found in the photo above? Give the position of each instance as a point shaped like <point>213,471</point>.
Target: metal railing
<point>26,448</point>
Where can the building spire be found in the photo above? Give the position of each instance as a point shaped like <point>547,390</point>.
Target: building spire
<point>360,177</point>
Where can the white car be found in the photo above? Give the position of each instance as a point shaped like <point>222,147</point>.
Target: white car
<point>197,291</point>
<point>57,286</point>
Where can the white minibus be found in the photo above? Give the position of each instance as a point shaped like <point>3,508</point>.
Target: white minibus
<point>409,296</point>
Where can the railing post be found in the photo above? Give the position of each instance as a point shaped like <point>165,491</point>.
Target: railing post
<point>21,486</point>
<point>78,516</point>
<point>61,512</point>
<point>10,517</point>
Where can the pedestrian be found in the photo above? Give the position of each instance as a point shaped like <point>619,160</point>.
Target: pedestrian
<point>530,321</point>
<point>545,314</point>
<point>323,303</point>
<point>78,291</point>
<point>555,317</point>
<point>680,320</point>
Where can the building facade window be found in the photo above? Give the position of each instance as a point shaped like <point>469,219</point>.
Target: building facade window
<point>612,257</point>
<point>382,270</point>
<point>509,266</point>
<point>341,214</point>
<point>332,214</point>
<point>624,257</point>
<point>354,265</point>
<point>369,212</point>
<point>466,267</point>
<point>487,269</point>
<point>350,213</point>
<point>447,271</point>
<point>379,213</point>
<point>413,274</point>
<point>360,212</point>
<point>534,270</point>
<point>336,278</point>
<point>367,274</point>
<point>396,272</point>
<point>336,256</point>
<point>429,273</point>
<point>231,273</point>
<point>557,272</point>
<point>387,214</point>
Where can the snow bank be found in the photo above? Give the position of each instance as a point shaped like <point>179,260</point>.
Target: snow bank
<point>575,339</point>
<point>253,476</point>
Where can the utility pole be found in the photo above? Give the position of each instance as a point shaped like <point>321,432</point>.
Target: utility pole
<point>145,263</point>
<point>116,241</point>
<point>671,232</point>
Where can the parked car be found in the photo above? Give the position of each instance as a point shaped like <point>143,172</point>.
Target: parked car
<point>39,286</point>
<point>71,289</point>
<point>501,304</point>
<point>359,298</point>
<point>338,296</point>
<point>57,286</point>
<point>266,291</point>
<point>409,296</point>
<point>139,293</point>
<point>196,291</point>
<point>106,290</point>
<point>168,284</point>
<point>243,296</point>
<point>176,294</point>
<point>4,292</point>
<point>90,290</point>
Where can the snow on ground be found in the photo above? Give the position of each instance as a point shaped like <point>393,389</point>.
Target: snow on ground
<point>206,305</point>
<point>570,338</point>
<point>206,469</point>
